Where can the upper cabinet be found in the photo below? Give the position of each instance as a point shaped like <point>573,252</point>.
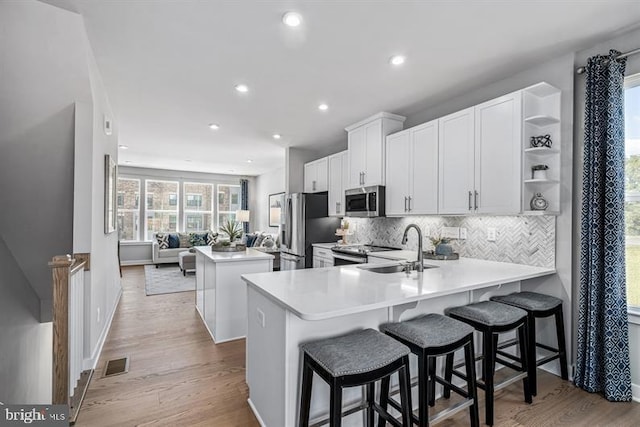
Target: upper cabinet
<point>412,171</point>
<point>338,182</point>
<point>480,158</point>
<point>366,148</point>
<point>315,176</point>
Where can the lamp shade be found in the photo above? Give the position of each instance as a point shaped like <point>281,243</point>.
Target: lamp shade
<point>242,216</point>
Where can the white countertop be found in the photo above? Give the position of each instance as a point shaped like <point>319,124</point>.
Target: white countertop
<point>324,245</point>
<point>400,255</point>
<point>247,255</point>
<point>323,293</point>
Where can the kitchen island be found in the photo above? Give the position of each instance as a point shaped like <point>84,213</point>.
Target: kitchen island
<point>286,309</point>
<point>221,295</point>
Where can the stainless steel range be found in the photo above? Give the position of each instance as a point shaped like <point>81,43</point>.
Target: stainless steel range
<point>355,254</point>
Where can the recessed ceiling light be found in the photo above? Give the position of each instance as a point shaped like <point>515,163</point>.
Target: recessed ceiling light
<point>276,136</point>
<point>249,161</point>
<point>213,126</point>
<point>323,107</point>
<point>292,19</point>
<point>397,60</point>
<point>188,160</point>
<point>127,161</point>
<point>123,147</point>
<point>231,170</point>
<point>242,88</point>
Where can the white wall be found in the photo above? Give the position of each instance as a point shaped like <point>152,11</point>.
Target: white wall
<point>267,183</point>
<point>624,43</point>
<point>560,73</point>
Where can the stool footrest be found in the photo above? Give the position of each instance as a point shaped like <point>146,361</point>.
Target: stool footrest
<point>546,347</point>
<point>547,359</point>
<point>346,410</point>
<point>451,410</point>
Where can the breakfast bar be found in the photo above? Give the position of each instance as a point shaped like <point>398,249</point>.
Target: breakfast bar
<point>289,308</point>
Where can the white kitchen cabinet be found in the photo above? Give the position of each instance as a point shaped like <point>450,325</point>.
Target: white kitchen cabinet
<point>338,176</point>
<point>480,158</point>
<point>366,148</point>
<point>322,257</point>
<point>412,171</point>
<point>315,176</point>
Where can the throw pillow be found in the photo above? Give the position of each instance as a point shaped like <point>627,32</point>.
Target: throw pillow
<point>163,240</point>
<point>212,238</point>
<point>259,240</point>
<point>251,239</point>
<point>268,242</point>
<point>174,241</point>
<point>184,240</point>
<point>198,239</point>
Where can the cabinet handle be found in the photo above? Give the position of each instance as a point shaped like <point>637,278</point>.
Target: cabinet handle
<point>475,200</point>
<point>337,207</point>
<point>409,203</point>
<point>405,203</point>
<point>363,177</point>
<point>313,185</point>
<point>470,195</point>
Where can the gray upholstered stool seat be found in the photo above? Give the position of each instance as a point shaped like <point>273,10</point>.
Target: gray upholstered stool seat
<point>355,353</point>
<point>431,330</point>
<point>529,300</point>
<point>488,313</point>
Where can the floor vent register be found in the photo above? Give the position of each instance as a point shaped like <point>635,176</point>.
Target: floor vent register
<point>117,367</point>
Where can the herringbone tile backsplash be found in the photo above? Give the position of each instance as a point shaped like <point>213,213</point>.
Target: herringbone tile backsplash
<point>526,240</point>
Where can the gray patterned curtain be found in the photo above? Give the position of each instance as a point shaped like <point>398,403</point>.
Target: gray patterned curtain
<point>603,344</point>
<point>244,200</point>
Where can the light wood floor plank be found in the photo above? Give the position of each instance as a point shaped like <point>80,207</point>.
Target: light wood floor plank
<point>179,377</point>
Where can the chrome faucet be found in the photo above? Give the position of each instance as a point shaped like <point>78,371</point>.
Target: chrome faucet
<point>419,263</point>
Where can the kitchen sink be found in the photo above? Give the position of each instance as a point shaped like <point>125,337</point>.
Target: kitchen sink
<point>385,269</point>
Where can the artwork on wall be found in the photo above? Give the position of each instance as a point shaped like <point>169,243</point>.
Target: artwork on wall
<point>276,204</point>
<point>110,179</point>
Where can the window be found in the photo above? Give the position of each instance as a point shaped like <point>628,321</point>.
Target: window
<point>162,207</point>
<point>198,206</point>
<point>228,202</point>
<point>632,188</point>
<point>128,209</point>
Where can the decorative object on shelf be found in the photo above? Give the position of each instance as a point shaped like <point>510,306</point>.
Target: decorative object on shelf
<point>541,141</point>
<point>539,171</point>
<point>538,203</point>
<point>343,231</point>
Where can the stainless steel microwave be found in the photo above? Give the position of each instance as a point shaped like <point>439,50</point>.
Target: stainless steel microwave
<point>367,202</point>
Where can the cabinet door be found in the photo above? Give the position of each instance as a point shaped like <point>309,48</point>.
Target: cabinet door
<point>309,177</point>
<point>374,171</point>
<point>397,173</point>
<point>345,181</point>
<point>357,156</point>
<point>423,169</point>
<point>456,159</point>
<point>336,193</point>
<point>322,166</point>
<point>498,154</point>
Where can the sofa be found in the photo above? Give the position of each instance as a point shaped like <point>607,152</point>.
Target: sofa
<point>167,246</point>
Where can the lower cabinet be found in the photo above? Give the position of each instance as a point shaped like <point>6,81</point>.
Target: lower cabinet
<point>322,257</point>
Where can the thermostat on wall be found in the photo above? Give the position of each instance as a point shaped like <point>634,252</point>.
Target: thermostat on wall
<point>107,125</point>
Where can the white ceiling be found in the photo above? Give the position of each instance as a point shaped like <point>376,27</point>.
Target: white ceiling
<point>170,67</point>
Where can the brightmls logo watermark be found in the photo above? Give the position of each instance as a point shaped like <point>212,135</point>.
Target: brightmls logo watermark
<point>34,415</point>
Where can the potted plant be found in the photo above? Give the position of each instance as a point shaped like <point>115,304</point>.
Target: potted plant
<point>232,228</point>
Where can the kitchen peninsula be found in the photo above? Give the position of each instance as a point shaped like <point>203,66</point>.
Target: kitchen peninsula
<point>288,308</point>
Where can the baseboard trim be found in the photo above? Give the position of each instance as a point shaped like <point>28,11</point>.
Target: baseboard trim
<point>92,362</point>
<point>136,262</point>
<point>255,412</point>
<point>635,392</point>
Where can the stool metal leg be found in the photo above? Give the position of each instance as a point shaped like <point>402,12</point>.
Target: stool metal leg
<point>562,345</point>
<point>335,405</point>
<point>523,334</point>
<point>384,398</point>
<point>305,400</point>
<point>423,390</point>
<point>470,365</point>
<point>488,367</point>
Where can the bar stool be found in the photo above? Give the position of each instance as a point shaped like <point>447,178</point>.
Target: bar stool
<point>355,359</point>
<point>539,306</point>
<point>491,319</point>
<point>428,337</point>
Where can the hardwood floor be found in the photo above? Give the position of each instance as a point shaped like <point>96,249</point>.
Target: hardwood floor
<point>179,377</point>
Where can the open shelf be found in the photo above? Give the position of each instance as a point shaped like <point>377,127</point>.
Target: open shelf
<point>541,181</point>
<point>541,150</point>
<point>542,120</point>
<point>540,213</point>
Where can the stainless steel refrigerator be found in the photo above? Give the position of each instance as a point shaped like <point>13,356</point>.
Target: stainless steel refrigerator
<point>306,221</point>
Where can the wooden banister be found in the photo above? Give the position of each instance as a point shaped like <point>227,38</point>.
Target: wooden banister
<point>63,267</point>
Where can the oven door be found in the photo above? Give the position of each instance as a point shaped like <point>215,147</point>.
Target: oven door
<point>342,259</point>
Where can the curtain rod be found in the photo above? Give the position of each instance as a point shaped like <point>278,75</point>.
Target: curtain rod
<point>581,70</point>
